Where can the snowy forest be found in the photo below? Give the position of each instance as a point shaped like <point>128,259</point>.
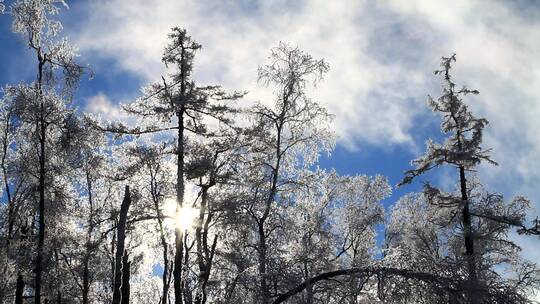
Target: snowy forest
<point>201,197</point>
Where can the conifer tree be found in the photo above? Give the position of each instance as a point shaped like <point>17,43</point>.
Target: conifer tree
<point>176,104</point>
<point>462,150</point>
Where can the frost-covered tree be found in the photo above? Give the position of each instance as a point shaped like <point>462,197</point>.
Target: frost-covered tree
<point>284,139</point>
<point>41,109</point>
<point>155,184</point>
<point>422,236</point>
<point>332,226</point>
<point>178,106</point>
<point>213,169</point>
<point>13,190</point>
<point>92,212</point>
<point>462,149</point>
<point>226,204</point>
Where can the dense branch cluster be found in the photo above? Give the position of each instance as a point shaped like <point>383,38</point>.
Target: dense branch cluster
<point>197,198</point>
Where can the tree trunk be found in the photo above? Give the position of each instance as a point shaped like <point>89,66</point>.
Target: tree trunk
<point>166,273</point>
<point>165,277</point>
<point>263,249</point>
<point>473,295</point>
<point>19,290</point>
<point>120,246</point>
<point>41,126</point>
<point>309,287</point>
<point>179,234</point>
<point>204,254</point>
<point>188,296</point>
<point>265,291</point>
<point>10,203</point>
<point>88,244</point>
<point>126,268</point>
<point>86,281</point>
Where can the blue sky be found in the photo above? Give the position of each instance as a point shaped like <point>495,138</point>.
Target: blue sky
<point>381,53</point>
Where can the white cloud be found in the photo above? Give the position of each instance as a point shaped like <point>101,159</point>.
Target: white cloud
<point>368,96</point>
<point>101,106</point>
<point>497,54</point>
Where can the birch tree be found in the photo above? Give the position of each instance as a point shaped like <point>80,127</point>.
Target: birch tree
<point>285,138</point>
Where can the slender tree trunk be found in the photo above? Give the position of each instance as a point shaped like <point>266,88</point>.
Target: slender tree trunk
<point>263,249</point>
<point>265,291</point>
<point>120,246</point>
<point>309,287</point>
<point>166,273</point>
<point>163,237</point>
<point>41,226</point>
<point>19,290</point>
<point>204,254</point>
<point>473,295</point>
<point>10,203</point>
<point>126,272</point>
<point>88,244</point>
<point>86,281</point>
<point>179,234</point>
<point>230,290</point>
<point>208,269</point>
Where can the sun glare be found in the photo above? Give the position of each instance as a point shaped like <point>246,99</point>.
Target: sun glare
<point>185,217</point>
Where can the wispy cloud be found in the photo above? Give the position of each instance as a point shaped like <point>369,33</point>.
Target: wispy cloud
<point>382,55</point>
<point>101,106</point>
<point>369,96</point>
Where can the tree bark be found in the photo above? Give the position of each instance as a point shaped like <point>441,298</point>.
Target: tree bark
<point>19,290</point>
<point>88,244</point>
<point>263,249</point>
<point>41,126</point>
<point>165,277</point>
<point>179,234</point>
<point>126,272</point>
<point>120,246</point>
<point>473,296</point>
<point>205,255</point>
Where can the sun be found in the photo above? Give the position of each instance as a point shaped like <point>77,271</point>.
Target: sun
<point>182,218</point>
<point>185,217</point>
